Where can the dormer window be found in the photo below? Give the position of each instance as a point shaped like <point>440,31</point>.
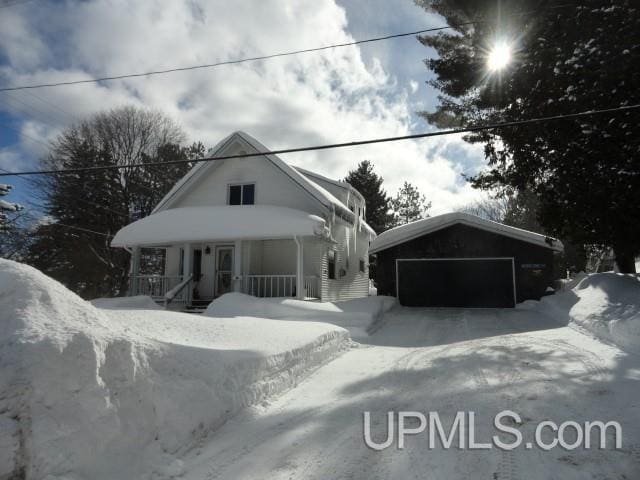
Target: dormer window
<point>242,194</point>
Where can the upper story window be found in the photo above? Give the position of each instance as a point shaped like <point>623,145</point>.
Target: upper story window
<point>242,194</point>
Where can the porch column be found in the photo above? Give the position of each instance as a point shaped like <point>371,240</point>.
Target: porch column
<point>186,261</point>
<point>300,293</point>
<point>134,271</point>
<point>237,266</point>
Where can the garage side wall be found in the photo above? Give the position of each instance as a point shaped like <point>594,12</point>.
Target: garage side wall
<point>533,264</point>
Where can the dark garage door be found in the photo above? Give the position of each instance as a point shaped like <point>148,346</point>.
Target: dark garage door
<point>456,282</point>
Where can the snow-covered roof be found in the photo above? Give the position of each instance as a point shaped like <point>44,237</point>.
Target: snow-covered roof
<point>193,224</point>
<point>321,194</point>
<point>338,183</point>
<point>416,229</point>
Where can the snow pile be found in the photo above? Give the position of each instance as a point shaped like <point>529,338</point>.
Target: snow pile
<point>100,394</point>
<point>605,304</point>
<point>142,302</point>
<point>359,316</point>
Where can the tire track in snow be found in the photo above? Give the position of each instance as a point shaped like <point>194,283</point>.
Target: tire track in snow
<point>508,466</point>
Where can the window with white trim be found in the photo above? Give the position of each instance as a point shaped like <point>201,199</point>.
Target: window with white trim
<point>241,194</point>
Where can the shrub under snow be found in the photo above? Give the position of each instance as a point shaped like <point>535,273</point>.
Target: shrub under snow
<point>87,393</point>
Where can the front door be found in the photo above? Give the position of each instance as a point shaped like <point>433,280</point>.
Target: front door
<point>224,270</point>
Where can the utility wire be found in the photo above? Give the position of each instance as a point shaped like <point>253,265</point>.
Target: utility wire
<point>14,3</point>
<point>265,57</point>
<point>28,137</point>
<point>453,131</point>
<point>71,227</point>
<point>233,62</point>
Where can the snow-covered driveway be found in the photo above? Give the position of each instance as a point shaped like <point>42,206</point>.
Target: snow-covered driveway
<point>445,361</point>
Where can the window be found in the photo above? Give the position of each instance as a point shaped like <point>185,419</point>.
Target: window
<point>242,194</point>
<point>331,263</point>
<point>362,265</point>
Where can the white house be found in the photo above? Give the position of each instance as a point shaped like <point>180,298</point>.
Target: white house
<point>255,225</point>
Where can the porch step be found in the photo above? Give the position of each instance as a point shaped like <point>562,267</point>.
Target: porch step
<point>197,306</point>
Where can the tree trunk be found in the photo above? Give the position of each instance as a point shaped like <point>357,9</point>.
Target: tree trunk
<point>625,260</point>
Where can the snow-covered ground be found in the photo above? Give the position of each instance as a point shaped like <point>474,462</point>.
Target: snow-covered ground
<point>444,360</point>
<point>130,391</point>
<point>359,316</point>
<point>126,303</point>
<point>606,305</point>
<point>117,393</point>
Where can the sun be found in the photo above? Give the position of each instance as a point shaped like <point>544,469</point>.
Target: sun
<point>499,57</point>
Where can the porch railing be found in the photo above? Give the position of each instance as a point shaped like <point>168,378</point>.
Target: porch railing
<point>269,285</point>
<point>181,293</point>
<point>278,285</point>
<point>155,286</point>
<point>311,286</point>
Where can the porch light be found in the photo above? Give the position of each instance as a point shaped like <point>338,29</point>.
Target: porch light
<point>207,250</point>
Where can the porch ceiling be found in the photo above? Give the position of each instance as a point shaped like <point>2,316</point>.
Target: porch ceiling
<point>225,223</point>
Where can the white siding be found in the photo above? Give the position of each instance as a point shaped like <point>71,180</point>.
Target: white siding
<point>354,284</point>
<point>272,186</point>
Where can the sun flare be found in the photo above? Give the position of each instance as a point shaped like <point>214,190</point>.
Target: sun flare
<point>499,57</point>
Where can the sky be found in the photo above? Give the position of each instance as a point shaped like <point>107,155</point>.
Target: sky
<point>339,95</point>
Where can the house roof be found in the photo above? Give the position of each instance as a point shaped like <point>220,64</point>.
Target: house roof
<point>193,224</point>
<point>338,183</point>
<point>327,199</point>
<point>404,233</point>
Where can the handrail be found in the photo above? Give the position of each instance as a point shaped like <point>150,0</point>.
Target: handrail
<point>171,294</point>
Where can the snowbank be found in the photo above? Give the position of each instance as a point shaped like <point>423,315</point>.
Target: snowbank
<point>605,304</point>
<point>101,394</point>
<point>359,316</point>
<point>143,302</point>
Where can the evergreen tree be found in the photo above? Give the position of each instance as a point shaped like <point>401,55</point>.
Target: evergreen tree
<point>87,209</point>
<point>6,207</point>
<point>14,227</point>
<point>369,184</point>
<point>566,58</point>
<point>409,205</point>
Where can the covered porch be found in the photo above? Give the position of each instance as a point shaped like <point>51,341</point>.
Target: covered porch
<point>200,272</point>
<point>261,263</point>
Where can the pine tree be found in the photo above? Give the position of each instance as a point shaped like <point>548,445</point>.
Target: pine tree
<point>567,58</point>
<point>6,207</point>
<point>87,209</point>
<point>378,204</point>
<point>409,205</point>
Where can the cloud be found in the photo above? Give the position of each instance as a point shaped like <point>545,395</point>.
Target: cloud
<point>326,97</point>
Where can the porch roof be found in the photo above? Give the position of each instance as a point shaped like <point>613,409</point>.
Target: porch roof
<point>213,223</point>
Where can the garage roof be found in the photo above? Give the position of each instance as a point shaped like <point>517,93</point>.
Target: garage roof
<point>404,233</point>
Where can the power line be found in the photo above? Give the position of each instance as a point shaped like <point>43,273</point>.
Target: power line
<point>34,183</point>
<point>81,229</point>
<point>355,143</point>
<point>72,227</point>
<point>265,57</point>
<point>38,115</point>
<point>57,107</point>
<point>20,132</point>
<point>14,3</point>
<point>35,218</point>
<point>240,60</point>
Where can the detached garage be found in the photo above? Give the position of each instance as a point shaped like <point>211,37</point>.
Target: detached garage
<point>460,260</point>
